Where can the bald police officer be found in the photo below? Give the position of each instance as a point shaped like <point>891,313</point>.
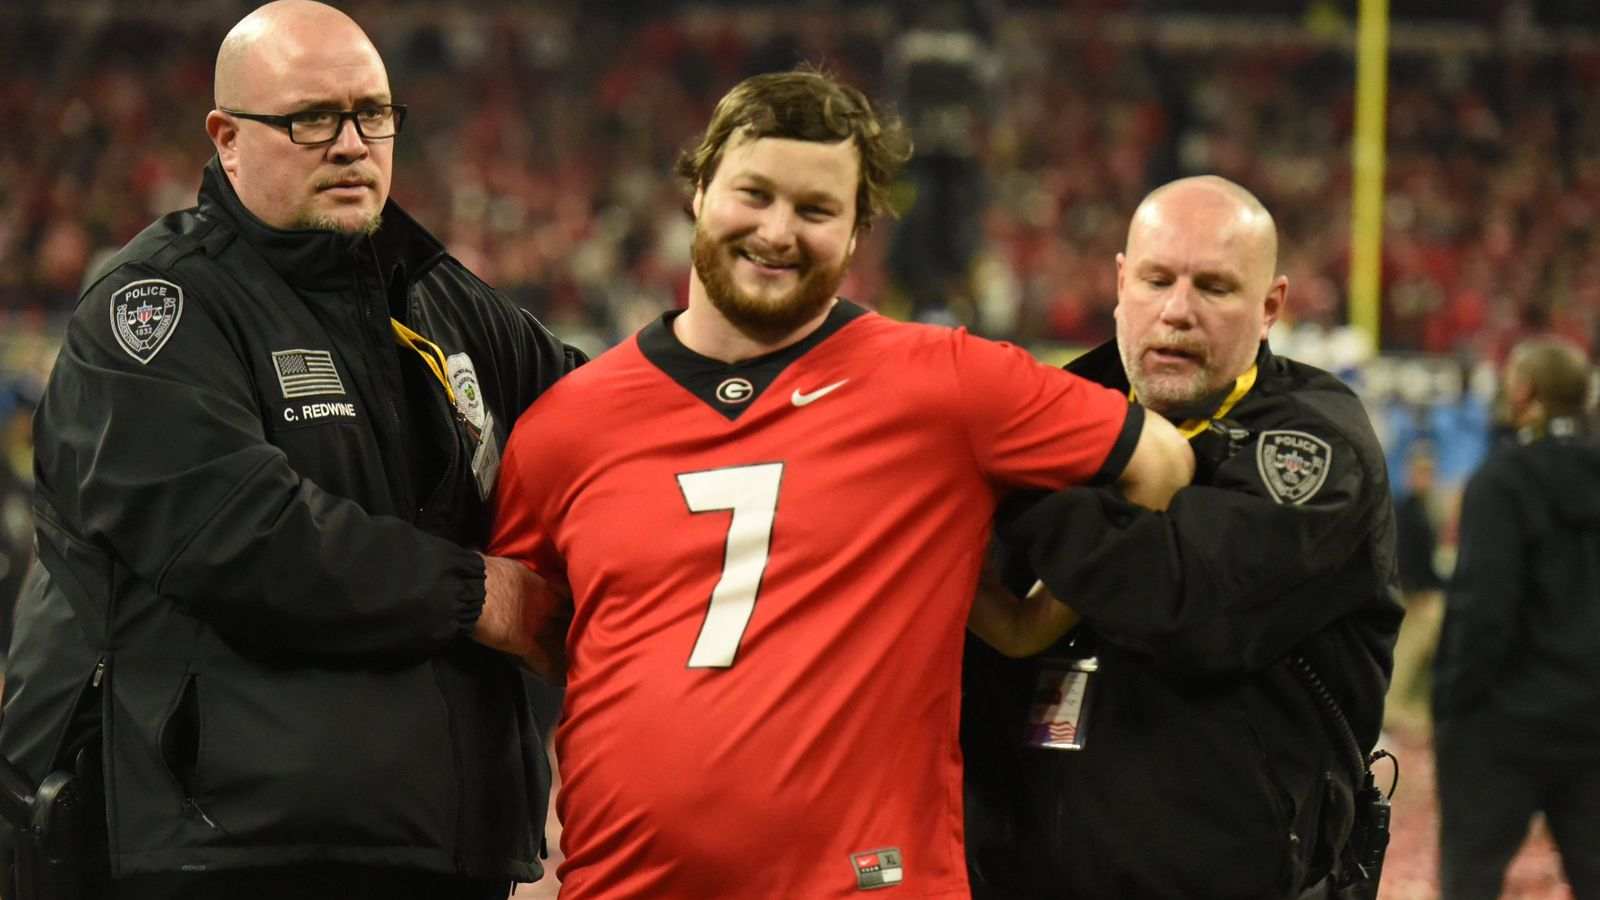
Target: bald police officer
<point>1202,731</point>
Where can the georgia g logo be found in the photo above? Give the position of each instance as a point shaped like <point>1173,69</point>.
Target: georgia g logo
<point>1293,464</point>
<point>735,390</point>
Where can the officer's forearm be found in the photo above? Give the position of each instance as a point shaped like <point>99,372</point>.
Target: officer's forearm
<point>526,616</point>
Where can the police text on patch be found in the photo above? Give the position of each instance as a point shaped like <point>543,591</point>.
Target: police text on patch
<point>144,314</point>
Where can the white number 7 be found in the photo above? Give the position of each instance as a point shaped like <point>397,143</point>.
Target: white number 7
<point>752,493</point>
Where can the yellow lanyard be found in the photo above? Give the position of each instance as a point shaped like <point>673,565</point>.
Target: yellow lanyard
<point>428,350</point>
<point>1241,386</point>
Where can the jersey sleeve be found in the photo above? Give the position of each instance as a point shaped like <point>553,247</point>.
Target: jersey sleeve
<point>523,522</point>
<point>1033,425</point>
<point>155,451</point>
<point>1237,571</point>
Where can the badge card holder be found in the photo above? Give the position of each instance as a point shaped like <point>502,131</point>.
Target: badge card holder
<point>1058,716</point>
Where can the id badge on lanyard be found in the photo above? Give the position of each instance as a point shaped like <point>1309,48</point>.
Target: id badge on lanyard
<point>1058,716</point>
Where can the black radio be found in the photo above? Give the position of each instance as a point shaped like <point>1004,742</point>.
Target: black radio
<point>1369,837</point>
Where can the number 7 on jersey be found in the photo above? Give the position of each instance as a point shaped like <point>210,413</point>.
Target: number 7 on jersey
<point>752,493</point>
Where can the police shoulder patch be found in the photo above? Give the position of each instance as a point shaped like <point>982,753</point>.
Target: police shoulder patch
<point>144,314</point>
<point>1293,464</point>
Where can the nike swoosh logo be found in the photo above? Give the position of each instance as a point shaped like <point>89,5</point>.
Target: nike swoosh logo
<point>799,399</point>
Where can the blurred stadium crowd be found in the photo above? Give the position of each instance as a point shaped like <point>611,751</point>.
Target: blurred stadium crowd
<point>541,139</point>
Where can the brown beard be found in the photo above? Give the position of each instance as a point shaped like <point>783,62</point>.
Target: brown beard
<point>765,321</point>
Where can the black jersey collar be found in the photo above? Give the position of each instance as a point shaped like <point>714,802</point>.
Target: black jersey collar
<point>731,388</point>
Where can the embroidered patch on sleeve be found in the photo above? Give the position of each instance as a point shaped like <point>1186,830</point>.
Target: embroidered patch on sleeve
<point>1293,464</point>
<point>144,314</point>
<point>306,373</point>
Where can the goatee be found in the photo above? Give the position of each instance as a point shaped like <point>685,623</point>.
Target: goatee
<point>1166,393</point>
<point>322,222</point>
<point>766,321</point>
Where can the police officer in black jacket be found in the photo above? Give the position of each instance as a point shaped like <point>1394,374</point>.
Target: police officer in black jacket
<point>262,461</point>
<point>1201,733</point>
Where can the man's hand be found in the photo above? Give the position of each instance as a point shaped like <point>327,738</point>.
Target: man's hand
<point>526,616</point>
<point>1018,627</point>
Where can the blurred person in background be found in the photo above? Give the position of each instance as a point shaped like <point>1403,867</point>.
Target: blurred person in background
<point>16,495</point>
<point>1516,699</point>
<point>771,508</point>
<point>1203,731</point>
<point>1416,547</point>
<point>263,460</point>
<point>940,69</point>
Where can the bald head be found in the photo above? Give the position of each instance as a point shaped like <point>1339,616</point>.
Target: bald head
<point>1248,232</point>
<point>295,57</point>
<point>267,46</point>
<point>1196,291</point>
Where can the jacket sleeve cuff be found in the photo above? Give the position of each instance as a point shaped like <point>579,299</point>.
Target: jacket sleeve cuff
<point>469,599</point>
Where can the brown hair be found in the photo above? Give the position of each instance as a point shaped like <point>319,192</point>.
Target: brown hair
<point>1559,372</point>
<point>807,105</point>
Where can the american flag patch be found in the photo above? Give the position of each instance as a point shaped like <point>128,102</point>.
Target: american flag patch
<point>1059,711</point>
<point>1055,734</point>
<point>878,868</point>
<point>305,373</point>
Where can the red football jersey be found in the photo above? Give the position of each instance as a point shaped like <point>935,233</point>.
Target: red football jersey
<point>772,564</point>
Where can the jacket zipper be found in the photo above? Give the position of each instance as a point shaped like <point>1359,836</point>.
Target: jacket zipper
<point>194,809</point>
<point>189,806</point>
<point>368,327</point>
<point>78,712</point>
<point>375,353</point>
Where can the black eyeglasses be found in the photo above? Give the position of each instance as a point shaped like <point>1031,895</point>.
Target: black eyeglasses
<point>375,122</point>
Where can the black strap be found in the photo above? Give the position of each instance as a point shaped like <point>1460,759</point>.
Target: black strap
<point>1333,717</point>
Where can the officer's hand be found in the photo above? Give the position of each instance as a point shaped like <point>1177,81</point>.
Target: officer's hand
<point>525,616</point>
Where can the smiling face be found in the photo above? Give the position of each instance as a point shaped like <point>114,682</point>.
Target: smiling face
<point>285,58</point>
<point>1195,291</point>
<point>774,232</point>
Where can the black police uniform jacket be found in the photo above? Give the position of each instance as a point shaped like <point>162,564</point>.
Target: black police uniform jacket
<point>254,514</point>
<point>1209,769</point>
